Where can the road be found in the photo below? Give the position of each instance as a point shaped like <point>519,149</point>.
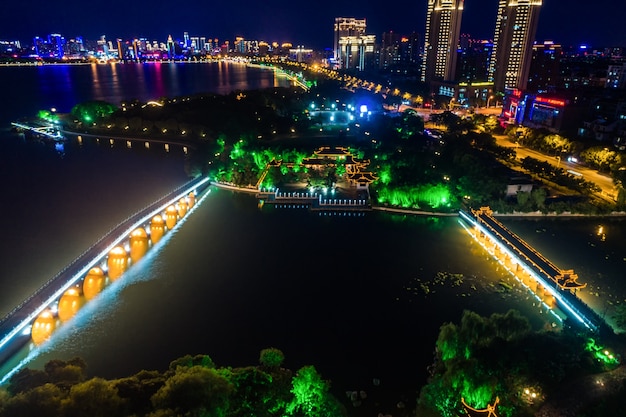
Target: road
<point>425,113</point>
<point>605,182</point>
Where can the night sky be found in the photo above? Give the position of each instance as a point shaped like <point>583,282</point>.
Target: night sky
<point>569,22</point>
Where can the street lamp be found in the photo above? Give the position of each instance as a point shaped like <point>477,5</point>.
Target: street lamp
<point>488,100</point>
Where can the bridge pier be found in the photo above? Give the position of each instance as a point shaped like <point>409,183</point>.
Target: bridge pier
<point>44,325</point>
<point>171,217</point>
<point>69,304</point>
<point>117,262</point>
<point>138,242</point>
<point>181,207</point>
<point>93,283</point>
<point>157,228</point>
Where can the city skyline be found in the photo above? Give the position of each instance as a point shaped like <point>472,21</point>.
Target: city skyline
<point>279,21</point>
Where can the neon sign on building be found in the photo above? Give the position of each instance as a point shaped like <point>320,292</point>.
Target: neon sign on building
<point>550,101</point>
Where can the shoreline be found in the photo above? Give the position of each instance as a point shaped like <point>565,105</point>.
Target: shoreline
<point>398,210</point>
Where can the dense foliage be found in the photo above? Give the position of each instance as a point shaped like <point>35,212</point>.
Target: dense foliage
<point>90,113</point>
<point>484,358</point>
<point>191,386</point>
<point>260,138</point>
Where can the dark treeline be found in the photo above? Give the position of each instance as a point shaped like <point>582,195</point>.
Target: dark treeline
<point>191,386</point>
<point>478,362</point>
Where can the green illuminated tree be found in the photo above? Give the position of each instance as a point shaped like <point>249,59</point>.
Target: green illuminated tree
<point>538,197</point>
<point>256,394</point>
<point>312,397</point>
<point>92,111</point>
<point>48,115</point>
<point>412,124</point>
<point>271,358</point>
<point>471,361</point>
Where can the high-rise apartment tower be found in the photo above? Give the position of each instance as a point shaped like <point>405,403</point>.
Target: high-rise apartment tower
<point>516,25</point>
<point>441,38</point>
<point>346,27</point>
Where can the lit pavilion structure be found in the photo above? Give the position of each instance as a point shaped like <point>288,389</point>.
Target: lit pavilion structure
<point>356,172</point>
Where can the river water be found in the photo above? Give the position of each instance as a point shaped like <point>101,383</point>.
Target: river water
<point>360,297</point>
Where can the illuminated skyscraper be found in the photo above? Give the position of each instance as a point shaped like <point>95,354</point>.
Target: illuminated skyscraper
<point>346,27</point>
<point>357,52</point>
<point>516,25</point>
<point>57,43</point>
<point>441,38</point>
<point>171,50</point>
<point>399,52</point>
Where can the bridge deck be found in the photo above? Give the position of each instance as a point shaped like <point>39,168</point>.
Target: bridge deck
<point>520,247</point>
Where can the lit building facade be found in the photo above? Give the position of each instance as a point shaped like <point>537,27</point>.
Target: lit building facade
<point>357,52</point>
<point>473,60</point>
<point>516,25</point>
<point>346,27</point>
<point>441,38</point>
<point>171,49</point>
<point>10,47</point>
<point>399,52</point>
<point>560,113</point>
<point>53,47</point>
<point>616,77</point>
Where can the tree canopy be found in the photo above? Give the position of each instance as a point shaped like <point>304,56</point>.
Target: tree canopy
<point>190,386</point>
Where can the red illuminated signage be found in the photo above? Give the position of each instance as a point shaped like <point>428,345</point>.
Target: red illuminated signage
<point>551,101</point>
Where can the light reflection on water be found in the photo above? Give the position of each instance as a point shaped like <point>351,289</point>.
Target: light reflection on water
<point>332,291</point>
